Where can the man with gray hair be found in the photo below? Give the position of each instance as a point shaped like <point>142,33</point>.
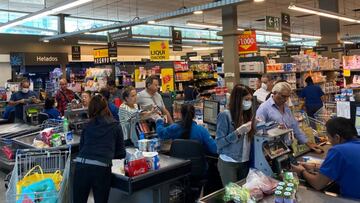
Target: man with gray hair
<point>265,89</point>
<point>276,109</point>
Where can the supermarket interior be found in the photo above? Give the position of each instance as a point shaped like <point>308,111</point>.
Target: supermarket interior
<point>182,101</point>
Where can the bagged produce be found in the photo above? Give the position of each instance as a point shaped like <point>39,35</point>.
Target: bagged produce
<point>236,193</point>
<point>259,184</point>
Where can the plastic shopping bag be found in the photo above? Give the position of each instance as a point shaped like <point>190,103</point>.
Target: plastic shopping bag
<point>259,184</point>
<point>33,177</point>
<point>43,191</point>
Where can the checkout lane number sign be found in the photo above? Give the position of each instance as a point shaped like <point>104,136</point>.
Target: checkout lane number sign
<point>159,50</point>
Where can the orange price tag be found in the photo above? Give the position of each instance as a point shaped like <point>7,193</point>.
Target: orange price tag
<point>347,72</point>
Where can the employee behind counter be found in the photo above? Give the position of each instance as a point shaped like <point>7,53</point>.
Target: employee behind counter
<point>342,163</point>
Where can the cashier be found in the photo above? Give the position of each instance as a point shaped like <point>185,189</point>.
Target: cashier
<point>342,163</point>
<point>276,109</point>
<point>20,98</point>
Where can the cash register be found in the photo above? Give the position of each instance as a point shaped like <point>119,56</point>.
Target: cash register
<point>77,118</point>
<point>211,109</point>
<point>271,151</point>
<point>31,112</point>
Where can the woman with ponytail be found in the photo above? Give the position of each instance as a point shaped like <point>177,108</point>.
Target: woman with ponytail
<point>186,129</point>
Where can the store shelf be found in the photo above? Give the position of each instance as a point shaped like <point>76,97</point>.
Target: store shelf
<point>208,85</point>
<point>180,71</point>
<point>182,80</point>
<point>305,71</point>
<point>251,73</point>
<point>209,71</point>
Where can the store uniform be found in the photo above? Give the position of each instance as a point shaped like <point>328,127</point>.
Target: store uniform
<point>53,113</point>
<point>269,111</point>
<point>234,150</point>
<point>19,107</point>
<point>101,141</point>
<point>198,133</point>
<point>145,99</point>
<point>114,111</point>
<point>312,94</point>
<point>342,165</point>
<point>63,98</point>
<point>8,110</point>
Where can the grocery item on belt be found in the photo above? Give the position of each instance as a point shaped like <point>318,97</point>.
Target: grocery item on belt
<point>152,160</point>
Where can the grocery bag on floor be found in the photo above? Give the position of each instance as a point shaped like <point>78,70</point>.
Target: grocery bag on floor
<point>43,191</point>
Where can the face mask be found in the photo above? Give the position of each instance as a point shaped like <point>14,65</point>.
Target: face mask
<point>25,90</point>
<point>264,86</point>
<point>55,105</point>
<point>246,105</point>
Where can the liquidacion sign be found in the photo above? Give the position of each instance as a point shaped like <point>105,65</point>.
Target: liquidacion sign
<point>159,50</point>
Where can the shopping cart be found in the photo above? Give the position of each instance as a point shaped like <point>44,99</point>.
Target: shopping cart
<point>326,112</point>
<point>51,161</point>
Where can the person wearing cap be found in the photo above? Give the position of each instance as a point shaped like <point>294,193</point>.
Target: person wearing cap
<point>275,109</point>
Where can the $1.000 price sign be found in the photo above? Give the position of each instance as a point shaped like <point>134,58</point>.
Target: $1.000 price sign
<point>247,42</point>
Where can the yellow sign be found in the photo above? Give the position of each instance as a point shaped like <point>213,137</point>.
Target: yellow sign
<point>101,53</point>
<point>167,79</point>
<point>159,50</point>
<point>347,73</point>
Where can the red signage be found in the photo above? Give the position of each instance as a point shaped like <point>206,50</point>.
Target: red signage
<point>247,42</point>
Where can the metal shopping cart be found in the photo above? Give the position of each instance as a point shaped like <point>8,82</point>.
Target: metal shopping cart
<point>51,161</point>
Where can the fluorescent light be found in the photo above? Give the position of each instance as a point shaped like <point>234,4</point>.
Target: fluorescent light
<point>305,36</point>
<point>198,12</point>
<point>91,42</point>
<point>151,22</point>
<point>263,32</point>
<point>257,1</point>
<point>44,12</point>
<point>46,41</point>
<point>240,29</point>
<point>348,42</point>
<point>206,48</point>
<point>203,25</point>
<point>321,12</point>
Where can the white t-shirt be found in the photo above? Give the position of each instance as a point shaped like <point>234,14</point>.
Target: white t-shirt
<point>145,99</point>
<point>261,95</point>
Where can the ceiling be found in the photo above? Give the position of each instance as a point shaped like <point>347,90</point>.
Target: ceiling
<point>250,14</point>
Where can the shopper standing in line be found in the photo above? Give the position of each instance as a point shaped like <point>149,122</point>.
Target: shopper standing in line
<point>20,98</point>
<point>85,98</point>
<point>190,91</point>
<point>234,134</point>
<point>187,128</point>
<point>113,109</point>
<point>265,89</point>
<point>115,93</point>
<point>101,141</point>
<point>313,96</point>
<point>150,96</point>
<point>63,96</point>
<point>275,109</point>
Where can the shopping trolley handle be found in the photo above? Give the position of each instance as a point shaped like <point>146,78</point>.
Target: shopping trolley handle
<point>44,150</point>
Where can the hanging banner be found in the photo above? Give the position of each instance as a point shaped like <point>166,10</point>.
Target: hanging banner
<point>247,42</point>
<point>75,53</point>
<point>101,56</point>
<point>159,50</point>
<point>167,79</point>
<point>112,49</point>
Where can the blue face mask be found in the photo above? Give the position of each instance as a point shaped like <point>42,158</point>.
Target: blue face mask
<point>246,105</point>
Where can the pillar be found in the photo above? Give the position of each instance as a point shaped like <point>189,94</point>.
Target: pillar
<point>61,23</point>
<point>329,28</point>
<point>230,46</point>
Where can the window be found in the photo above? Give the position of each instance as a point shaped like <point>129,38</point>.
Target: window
<point>76,24</point>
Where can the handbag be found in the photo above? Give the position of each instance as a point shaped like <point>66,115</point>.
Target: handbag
<point>31,178</point>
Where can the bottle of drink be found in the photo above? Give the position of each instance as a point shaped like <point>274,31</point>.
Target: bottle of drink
<point>66,129</point>
<point>142,135</point>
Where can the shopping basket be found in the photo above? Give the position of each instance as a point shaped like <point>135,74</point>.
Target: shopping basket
<point>51,161</point>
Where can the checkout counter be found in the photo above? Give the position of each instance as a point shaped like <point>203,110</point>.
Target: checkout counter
<point>272,155</point>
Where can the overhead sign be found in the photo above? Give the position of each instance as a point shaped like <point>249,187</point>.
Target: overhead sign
<point>184,57</point>
<point>247,42</point>
<point>285,27</point>
<point>159,50</point>
<point>337,49</point>
<point>283,54</point>
<point>101,56</point>
<point>112,47</point>
<point>120,35</point>
<point>272,23</point>
<point>271,55</point>
<point>75,53</point>
<point>46,58</point>
<point>215,55</point>
<point>320,48</point>
<point>293,48</point>
<point>177,48</point>
<point>191,54</point>
<point>206,58</point>
<point>176,37</point>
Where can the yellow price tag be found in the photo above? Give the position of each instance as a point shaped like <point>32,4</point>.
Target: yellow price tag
<point>346,72</point>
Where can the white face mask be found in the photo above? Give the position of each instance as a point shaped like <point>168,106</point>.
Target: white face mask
<point>264,86</point>
<point>25,90</point>
<point>246,105</point>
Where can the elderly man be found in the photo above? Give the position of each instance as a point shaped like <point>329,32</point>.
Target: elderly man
<point>150,96</point>
<point>276,109</point>
<point>63,96</point>
<point>20,98</point>
<point>265,89</point>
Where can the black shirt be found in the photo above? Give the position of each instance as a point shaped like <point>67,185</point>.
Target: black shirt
<point>102,140</point>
